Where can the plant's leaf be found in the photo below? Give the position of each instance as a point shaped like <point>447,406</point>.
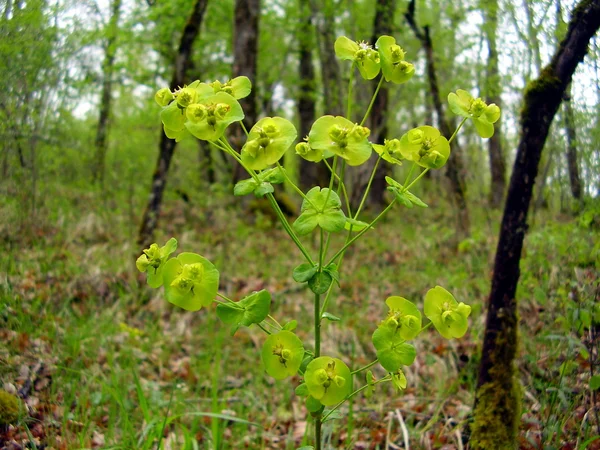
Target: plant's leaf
<point>335,415</point>
<point>320,282</point>
<point>356,225</point>
<point>595,382</point>
<point>291,325</point>
<point>263,189</point>
<point>304,272</point>
<point>302,390</point>
<point>415,200</point>
<point>244,187</point>
<point>313,405</point>
<point>392,351</point>
<point>330,317</point>
<point>252,309</point>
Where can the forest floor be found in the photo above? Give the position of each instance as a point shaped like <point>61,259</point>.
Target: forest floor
<point>102,361</point>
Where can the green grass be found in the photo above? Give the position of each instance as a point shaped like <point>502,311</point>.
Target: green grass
<point>113,365</point>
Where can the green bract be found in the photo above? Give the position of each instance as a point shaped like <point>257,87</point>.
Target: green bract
<point>282,354</point>
<point>341,137</point>
<point>153,260</point>
<point>399,380</point>
<point>208,119</point>
<point>363,55</point>
<point>392,350</point>
<point>448,316</point>
<point>308,153</point>
<point>321,207</point>
<point>191,281</point>
<point>249,310</point>
<point>263,186</point>
<point>425,146</point>
<point>267,142</point>
<point>404,317</point>
<point>239,87</point>
<point>393,66</point>
<point>390,151</point>
<point>328,380</point>
<point>484,116</point>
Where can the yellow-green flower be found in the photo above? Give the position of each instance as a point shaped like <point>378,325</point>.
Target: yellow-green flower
<point>363,55</point>
<point>483,115</point>
<point>282,354</point>
<point>267,142</point>
<point>390,151</point>
<point>341,137</point>
<point>153,260</point>
<point>425,146</point>
<point>328,380</point>
<point>448,316</point>
<point>238,87</point>
<point>393,65</point>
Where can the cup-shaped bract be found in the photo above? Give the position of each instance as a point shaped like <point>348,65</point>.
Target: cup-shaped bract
<point>483,115</point>
<point>426,147</point>
<point>328,380</point>
<point>404,317</point>
<point>191,281</point>
<point>393,65</point>
<point>321,207</point>
<point>392,350</point>
<point>447,315</point>
<point>208,118</point>
<point>390,151</point>
<point>282,354</point>
<point>267,142</point>
<point>153,260</point>
<point>238,87</point>
<point>341,137</point>
<point>363,55</point>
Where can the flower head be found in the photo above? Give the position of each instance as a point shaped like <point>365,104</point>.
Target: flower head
<point>153,260</point>
<point>282,354</point>
<point>328,380</point>
<point>390,151</point>
<point>425,146</point>
<point>238,87</point>
<point>403,317</point>
<point>363,55</point>
<point>448,316</point>
<point>267,142</point>
<point>341,137</point>
<point>191,281</point>
<point>483,115</point>
<point>208,118</point>
<point>393,65</point>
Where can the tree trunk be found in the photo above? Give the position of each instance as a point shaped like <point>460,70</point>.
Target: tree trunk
<point>167,146</point>
<point>311,174</point>
<point>383,25</point>
<point>454,169</point>
<point>332,80</point>
<point>245,57</point>
<point>107,73</point>
<point>497,399</point>
<point>574,178</point>
<point>493,91</point>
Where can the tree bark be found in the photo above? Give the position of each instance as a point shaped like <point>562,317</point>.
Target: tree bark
<point>493,91</point>
<point>573,165</point>
<point>454,169</point>
<point>167,146</point>
<point>105,104</point>
<point>383,25</point>
<point>245,58</point>
<point>311,174</point>
<point>497,400</point>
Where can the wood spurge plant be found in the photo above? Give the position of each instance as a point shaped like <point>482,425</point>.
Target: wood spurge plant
<point>191,281</point>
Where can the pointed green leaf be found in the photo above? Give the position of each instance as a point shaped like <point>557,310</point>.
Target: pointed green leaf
<point>244,187</point>
<point>304,272</point>
<point>251,309</point>
<point>263,189</point>
<point>330,317</point>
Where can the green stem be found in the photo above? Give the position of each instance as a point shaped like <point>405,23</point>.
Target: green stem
<point>368,366</point>
<point>263,328</point>
<point>287,227</point>
<point>457,129</point>
<point>220,147</point>
<point>244,127</point>
<point>349,106</point>
<point>363,231</point>
<point>341,182</point>
<point>275,320</point>
<point>333,174</point>
<point>360,389</point>
<point>366,194</point>
<point>416,179</point>
<point>372,101</point>
<point>409,174</point>
<point>296,188</point>
<point>426,326</point>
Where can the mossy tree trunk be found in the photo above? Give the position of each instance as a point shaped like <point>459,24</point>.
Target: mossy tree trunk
<point>497,400</point>
<point>167,146</point>
<point>454,169</point>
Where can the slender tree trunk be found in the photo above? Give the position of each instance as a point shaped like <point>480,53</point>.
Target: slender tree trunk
<point>454,169</point>
<point>207,169</point>
<point>497,399</point>
<point>383,25</point>
<point>105,103</point>
<point>167,146</point>
<point>493,91</point>
<point>573,165</point>
<point>311,174</point>
<point>245,58</point>
<point>332,80</point>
